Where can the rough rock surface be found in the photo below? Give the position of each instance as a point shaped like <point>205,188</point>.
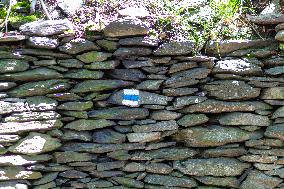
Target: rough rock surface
<point>260,180</point>
<point>92,56</point>
<point>46,27</point>
<point>14,127</point>
<point>12,37</point>
<point>13,65</point>
<point>275,131</point>
<point>213,167</point>
<point>217,106</point>
<point>231,90</point>
<point>99,85</point>
<point>126,27</point>
<point>226,47</point>
<point>32,75</point>
<point>118,110</point>
<point>213,136</point>
<point>174,48</point>
<point>120,113</point>
<point>273,93</point>
<point>78,46</point>
<point>267,19</point>
<point>238,119</point>
<point>236,66</point>
<point>35,143</point>
<point>42,42</point>
<point>84,124</point>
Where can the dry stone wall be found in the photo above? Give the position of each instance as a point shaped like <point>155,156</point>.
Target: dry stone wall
<point>120,110</point>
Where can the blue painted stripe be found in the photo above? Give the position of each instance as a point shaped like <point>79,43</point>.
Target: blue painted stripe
<point>131,97</point>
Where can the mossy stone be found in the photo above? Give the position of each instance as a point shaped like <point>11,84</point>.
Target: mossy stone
<point>107,45</point>
<point>120,113</point>
<point>84,74</point>
<point>238,119</point>
<point>12,173</point>
<point>15,127</point>
<point>172,153</point>
<point>99,85</point>
<point>41,103</point>
<point>192,120</point>
<point>212,166</point>
<point>64,96</point>
<point>170,181</point>
<point>76,106</point>
<point>35,143</point>
<point>273,93</point>
<point>66,157</point>
<point>105,65</point>
<point>279,113</point>
<point>93,56</point>
<point>32,75</point>
<point>275,131</point>
<point>39,88</point>
<point>211,136</point>
<point>77,114</point>
<point>129,182</point>
<point>71,63</point>
<point>78,46</point>
<point>88,124</point>
<point>13,65</point>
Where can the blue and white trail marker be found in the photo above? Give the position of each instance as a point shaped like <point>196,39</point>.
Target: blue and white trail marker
<point>130,97</point>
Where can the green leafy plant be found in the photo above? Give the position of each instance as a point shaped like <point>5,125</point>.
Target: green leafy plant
<point>15,19</point>
<point>169,20</point>
<point>217,19</point>
<point>21,4</point>
<point>3,13</point>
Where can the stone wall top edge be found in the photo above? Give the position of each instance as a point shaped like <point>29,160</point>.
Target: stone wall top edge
<point>129,32</point>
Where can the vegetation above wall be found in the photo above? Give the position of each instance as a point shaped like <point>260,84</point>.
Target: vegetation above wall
<point>197,20</point>
<point>122,110</point>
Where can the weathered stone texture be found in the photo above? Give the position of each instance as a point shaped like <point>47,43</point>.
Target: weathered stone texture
<point>118,109</point>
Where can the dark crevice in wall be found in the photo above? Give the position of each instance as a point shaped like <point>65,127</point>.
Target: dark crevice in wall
<point>156,117</point>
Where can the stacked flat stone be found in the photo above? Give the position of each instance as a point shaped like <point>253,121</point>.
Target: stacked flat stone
<point>200,122</point>
<point>272,16</point>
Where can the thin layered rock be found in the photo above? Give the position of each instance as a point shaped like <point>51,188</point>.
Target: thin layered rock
<point>174,48</point>
<point>228,46</point>
<point>120,113</point>
<point>35,143</point>
<point>43,42</point>
<point>213,166</point>
<point>14,127</point>
<point>13,65</point>
<point>32,75</point>
<point>99,85</point>
<point>119,109</point>
<point>46,27</point>
<point>236,66</point>
<point>12,173</point>
<point>216,106</point>
<point>170,181</point>
<point>126,27</point>
<point>231,90</point>
<point>260,180</point>
<point>85,125</point>
<point>78,46</point>
<point>238,119</point>
<point>39,88</point>
<point>213,136</point>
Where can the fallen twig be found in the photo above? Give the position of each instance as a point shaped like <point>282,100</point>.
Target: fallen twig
<point>45,10</point>
<point>7,16</point>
